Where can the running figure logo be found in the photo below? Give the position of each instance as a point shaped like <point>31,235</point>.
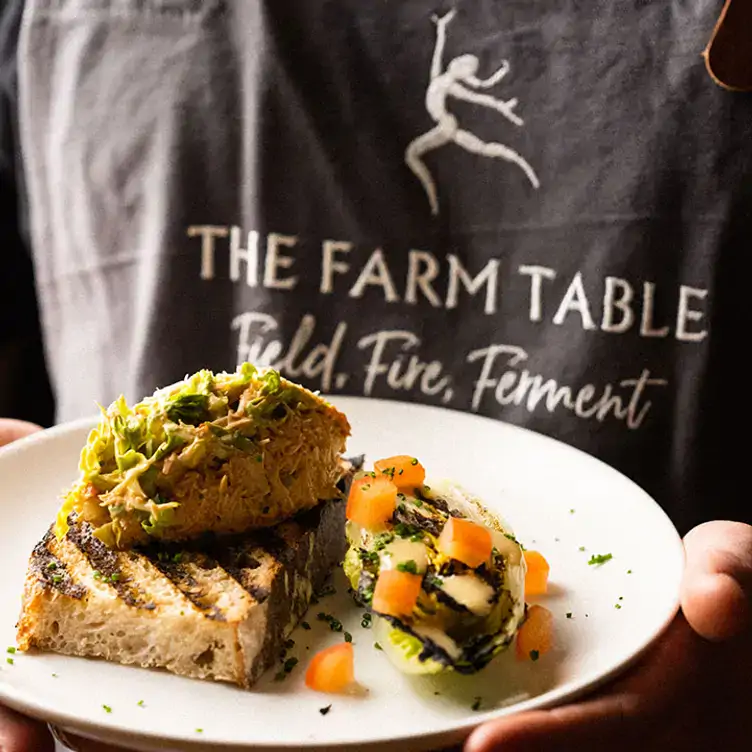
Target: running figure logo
<point>459,80</point>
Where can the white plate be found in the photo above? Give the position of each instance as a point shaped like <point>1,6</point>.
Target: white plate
<point>556,498</point>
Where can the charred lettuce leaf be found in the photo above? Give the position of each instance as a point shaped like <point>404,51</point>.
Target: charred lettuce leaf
<point>449,630</point>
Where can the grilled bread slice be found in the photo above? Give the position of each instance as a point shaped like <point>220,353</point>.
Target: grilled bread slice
<point>216,609</point>
<point>221,453</point>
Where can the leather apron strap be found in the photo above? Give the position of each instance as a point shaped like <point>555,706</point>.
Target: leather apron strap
<point>728,56</point>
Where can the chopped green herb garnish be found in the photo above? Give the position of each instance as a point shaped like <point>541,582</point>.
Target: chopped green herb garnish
<point>289,644</point>
<point>367,593</point>
<point>629,571</point>
<point>280,676</point>
<point>571,511</point>
<point>290,664</point>
<point>57,578</point>
<point>514,540</point>
<point>368,557</point>
<point>52,565</point>
<point>401,496</point>
<point>534,655</point>
<point>259,458</point>
<point>348,637</point>
<point>476,703</point>
<point>325,709</point>
<point>177,558</point>
<point>377,646</point>
<point>581,548</point>
<point>600,558</point>
<point>408,566</point>
<point>321,616</point>
<point>199,731</point>
<point>617,605</point>
<point>413,461</point>
<point>401,508</point>
<point>9,661</point>
<point>382,541</point>
<point>107,708</point>
<point>140,703</point>
<point>366,622</point>
<point>366,486</point>
<point>305,625</point>
<point>335,625</point>
<point>569,614</point>
<point>11,650</point>
<point>404,530</point>
<point>54,676</point>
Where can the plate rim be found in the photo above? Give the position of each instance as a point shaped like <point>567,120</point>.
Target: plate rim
<point>425,740</point>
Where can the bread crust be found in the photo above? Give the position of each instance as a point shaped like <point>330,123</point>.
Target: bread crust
<point>217,609</point>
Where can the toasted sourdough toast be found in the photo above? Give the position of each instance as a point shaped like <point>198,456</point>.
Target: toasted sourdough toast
<point>217,609</point>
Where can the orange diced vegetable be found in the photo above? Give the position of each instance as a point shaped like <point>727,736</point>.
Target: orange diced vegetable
<point>536,579</point>
<point>396,593</point>
<point>465,541</point>
<point>372,502</point>
<point>536,635</point>
<point>404,471</point>
<point>332,669</point>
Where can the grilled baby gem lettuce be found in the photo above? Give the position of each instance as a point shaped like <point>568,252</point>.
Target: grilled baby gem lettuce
<point>464,615</point>
<point>217,453</point>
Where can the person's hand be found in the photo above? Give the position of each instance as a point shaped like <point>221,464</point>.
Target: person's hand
<point>77,744</point>
<point>17,733</point>
<point>11,430</point>
<point>692,692</point>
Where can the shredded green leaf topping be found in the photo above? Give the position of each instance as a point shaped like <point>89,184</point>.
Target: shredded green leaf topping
<point>408,566</point>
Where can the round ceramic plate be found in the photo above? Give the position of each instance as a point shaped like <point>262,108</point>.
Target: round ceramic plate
<point>558,500</point>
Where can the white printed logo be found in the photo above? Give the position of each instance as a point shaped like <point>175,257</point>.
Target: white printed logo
<point>459,80</point>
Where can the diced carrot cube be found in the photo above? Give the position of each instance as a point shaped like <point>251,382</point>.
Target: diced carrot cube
<point>536,634</point>
<point>465,541</point>
<point>332,669</point>
<point>396,593</point>
<point>404,471</point>
<point>372,502</point>
<point>536,579</point>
